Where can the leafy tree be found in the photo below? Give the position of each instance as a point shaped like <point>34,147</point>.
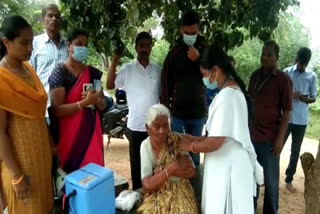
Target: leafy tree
<point>247,57</point>
<point>222,21</point>
<point>290,35</point>
<point>29,9</point>
<point>159,51</point>
<point>106,22</point>
<point>10,7</point>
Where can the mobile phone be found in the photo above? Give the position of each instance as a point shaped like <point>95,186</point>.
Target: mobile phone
<point>97,85</point>
<point>87,87</point>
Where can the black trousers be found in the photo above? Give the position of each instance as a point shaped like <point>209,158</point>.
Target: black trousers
<point>297,134</point>
<point>135,139</point>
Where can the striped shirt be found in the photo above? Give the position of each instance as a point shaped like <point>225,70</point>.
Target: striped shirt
<point>45,56</point>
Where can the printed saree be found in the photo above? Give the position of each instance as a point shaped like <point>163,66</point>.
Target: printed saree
<point>176,196</point>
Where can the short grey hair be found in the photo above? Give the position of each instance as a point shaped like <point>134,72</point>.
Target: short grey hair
<point>155,111</point>
<point>49,6</point>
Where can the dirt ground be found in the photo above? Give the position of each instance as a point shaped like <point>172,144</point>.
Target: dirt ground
<point>117,158</point>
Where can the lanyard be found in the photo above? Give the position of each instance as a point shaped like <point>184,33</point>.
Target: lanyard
<point>256,89</point>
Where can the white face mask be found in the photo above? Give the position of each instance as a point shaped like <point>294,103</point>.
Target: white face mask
<point>206,82</point>
<point>80,53</point>
<point>189,40</point>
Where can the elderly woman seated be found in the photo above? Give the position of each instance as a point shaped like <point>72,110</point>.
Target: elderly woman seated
<point>165,169</point>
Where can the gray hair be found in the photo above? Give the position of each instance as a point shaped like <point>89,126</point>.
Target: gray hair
<point>155,111</point>
<point>50,6</point>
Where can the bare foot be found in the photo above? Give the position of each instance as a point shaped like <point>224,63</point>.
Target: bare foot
<point>291,188</point>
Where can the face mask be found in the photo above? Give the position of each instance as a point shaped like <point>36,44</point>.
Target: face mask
<point>209,85</point>
<point>189,40</point>
<point>80,53</point>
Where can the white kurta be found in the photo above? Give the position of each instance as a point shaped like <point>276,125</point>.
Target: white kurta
<point>232,172</point>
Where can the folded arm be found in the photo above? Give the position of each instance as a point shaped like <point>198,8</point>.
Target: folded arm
<point>182,168</point>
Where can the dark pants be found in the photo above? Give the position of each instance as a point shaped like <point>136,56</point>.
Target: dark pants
<point>270,164</point>
<point>135,139</point>
<point>297,134</point>
<point>193,127</point>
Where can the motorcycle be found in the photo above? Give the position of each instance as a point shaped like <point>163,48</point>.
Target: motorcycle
<point>114,120</point>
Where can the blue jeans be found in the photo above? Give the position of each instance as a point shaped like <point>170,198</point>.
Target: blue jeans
<point>297,134</point>
<point>270,164</point>
<point>193,127</point>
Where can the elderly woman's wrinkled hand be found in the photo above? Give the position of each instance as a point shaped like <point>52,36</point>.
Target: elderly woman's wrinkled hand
<point>182,167</point>
<point>157,170</point>
<point>185,162</point>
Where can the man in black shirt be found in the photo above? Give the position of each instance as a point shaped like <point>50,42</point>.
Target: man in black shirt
<point>182,89</point>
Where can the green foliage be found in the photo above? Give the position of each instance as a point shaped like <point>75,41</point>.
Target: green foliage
<point>314,125</point>
<point>315,62</point>
<point>106,21</point>
<point>29,9</point>
<point>290,35</point>
<point>95,59</point>
<point>109,22</point>
<point>159,51</point>
<point>316,106</point>
<point>247,58</point>
<point>10,7</point>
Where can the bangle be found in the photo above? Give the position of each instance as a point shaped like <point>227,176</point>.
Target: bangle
<point>78,103</point>
<point>192,148</point>
<point>167,173</point>
<point>18,180</point>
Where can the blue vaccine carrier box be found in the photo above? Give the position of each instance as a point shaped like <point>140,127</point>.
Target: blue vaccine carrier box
<point>91,190</point>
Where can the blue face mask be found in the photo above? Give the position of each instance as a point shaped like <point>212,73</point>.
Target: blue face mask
<point>80,53</point>
<point>209,85</point>
<point>189,40</point>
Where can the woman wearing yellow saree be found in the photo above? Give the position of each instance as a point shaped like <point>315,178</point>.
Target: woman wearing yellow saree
<point>25,156</point>
<point>165,170</point>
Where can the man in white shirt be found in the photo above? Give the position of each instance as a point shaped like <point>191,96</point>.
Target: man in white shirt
<point>141,79</point>
<point>49,48</point>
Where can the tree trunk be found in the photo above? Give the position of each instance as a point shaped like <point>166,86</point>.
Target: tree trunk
<point>2,206</point>
<point>311,169</point>
<point>106,62</point>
